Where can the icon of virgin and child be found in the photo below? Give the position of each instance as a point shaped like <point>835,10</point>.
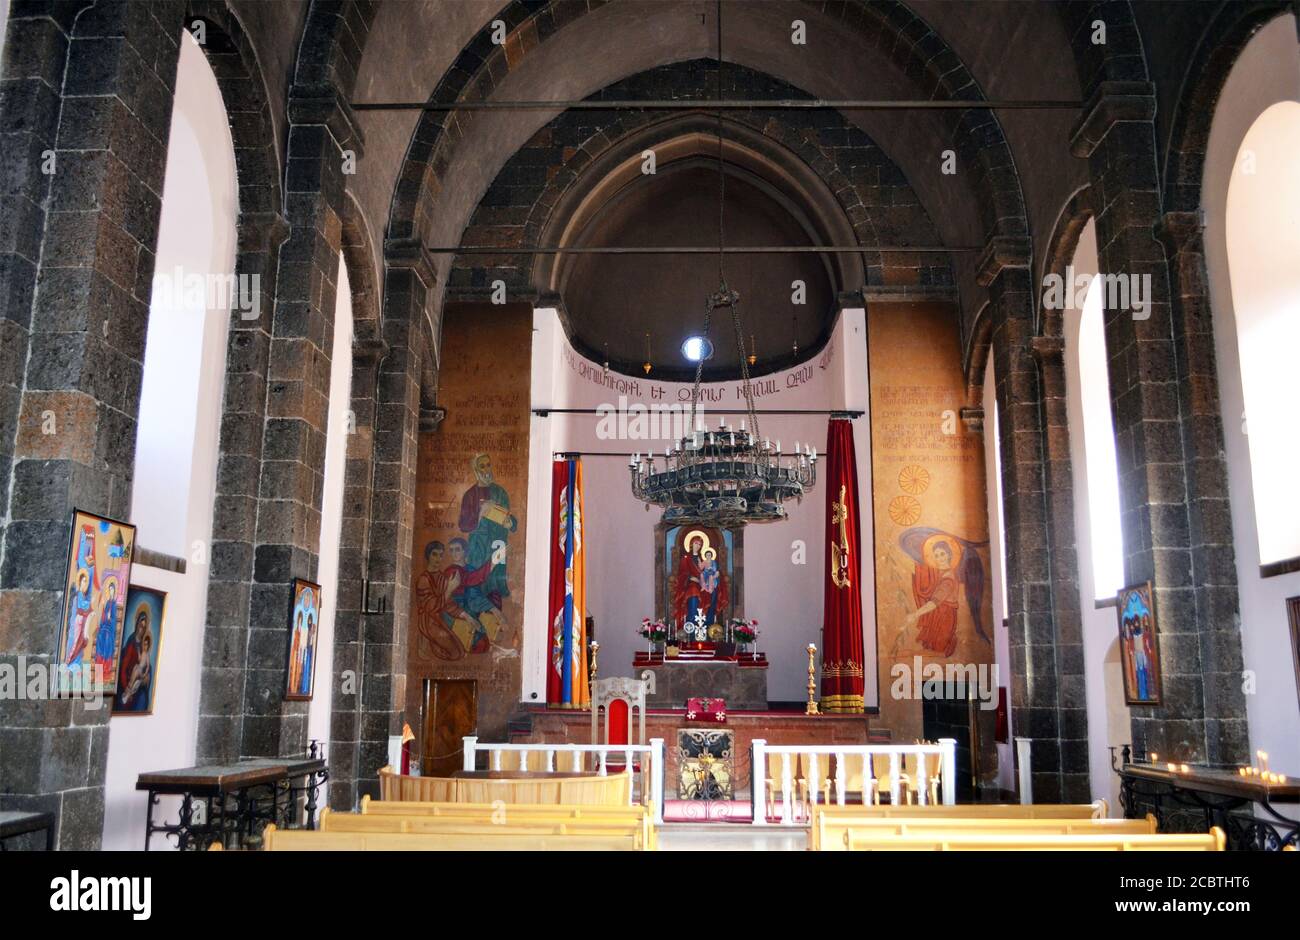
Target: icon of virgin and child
<point>700,589</point>
<point>462,591</point>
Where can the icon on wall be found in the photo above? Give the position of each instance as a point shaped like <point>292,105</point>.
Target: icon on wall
<point>94,600</point>
<point>304,622</point>
<point>137,660</point>
<point>1139,645</point>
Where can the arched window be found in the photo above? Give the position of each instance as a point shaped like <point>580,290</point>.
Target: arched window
<point>179,428</point>
<point>331,522</point>
<point>1263,229</point>
<point>194,289</point>
<point>1092,438</point>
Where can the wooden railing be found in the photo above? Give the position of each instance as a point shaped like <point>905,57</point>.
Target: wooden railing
<point>581,757</point>
<point>940,758</point>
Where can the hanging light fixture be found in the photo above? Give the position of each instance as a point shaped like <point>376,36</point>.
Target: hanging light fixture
<point>728,476</point>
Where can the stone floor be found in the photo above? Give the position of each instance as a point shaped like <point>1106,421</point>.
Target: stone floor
<point>731,837</point>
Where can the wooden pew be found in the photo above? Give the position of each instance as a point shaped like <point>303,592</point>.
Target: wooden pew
<point>831,815</point>
<point>948,841</point>
<point>483,840</point>
<point>411,808</point>
<point>610,790</point>
<point>830,836</point>
<point>494,822</point>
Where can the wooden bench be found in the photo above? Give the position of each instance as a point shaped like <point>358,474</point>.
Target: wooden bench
<point>507,819</point>
<point>948,841</point>
<point>832,816</point>
<point>499,839</point>
<point>831,834</point>
<point>586,790</point>
<point>519,812</point>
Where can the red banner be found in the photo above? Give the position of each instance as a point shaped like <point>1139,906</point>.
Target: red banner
<point>842,676</point>
<point>566,678</point>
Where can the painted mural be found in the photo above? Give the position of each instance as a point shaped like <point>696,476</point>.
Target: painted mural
<point>933,601</point>
<point>467,586</point>
<point>94,602</point>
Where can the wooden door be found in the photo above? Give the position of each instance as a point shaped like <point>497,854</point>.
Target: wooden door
<point>450,713</point>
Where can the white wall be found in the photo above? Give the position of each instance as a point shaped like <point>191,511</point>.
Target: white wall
<point>1098,537</point>
<point>1267,72</point>
<point>784,596</point>
<point>998,558</point>
<point>176,451</point>
<point>341,423</point>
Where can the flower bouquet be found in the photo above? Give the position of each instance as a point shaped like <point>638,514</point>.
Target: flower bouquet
<point>745,631</point>
<point>654,631</point>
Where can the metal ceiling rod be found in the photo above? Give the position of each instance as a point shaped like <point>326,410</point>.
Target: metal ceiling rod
<point>702,250</point>
<point>739,104</point>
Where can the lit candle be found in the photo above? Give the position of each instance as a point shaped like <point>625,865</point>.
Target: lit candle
<point>722,421</point>
<point>1263,759</point>
<point>1154,757</point>
<point>1183,768</point>
<point>742,424</point>
<point>1172,768</point>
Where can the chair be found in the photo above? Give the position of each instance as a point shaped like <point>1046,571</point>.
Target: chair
<point>619,697</point>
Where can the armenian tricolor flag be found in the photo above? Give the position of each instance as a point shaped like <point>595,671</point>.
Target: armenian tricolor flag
<point>566,677</point>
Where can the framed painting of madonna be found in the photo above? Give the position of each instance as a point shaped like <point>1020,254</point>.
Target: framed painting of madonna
<point>700,574</point>
<point>304,619</point>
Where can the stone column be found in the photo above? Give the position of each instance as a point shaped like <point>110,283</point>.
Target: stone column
<point>77,239</point>
<point>1046,649</point>
<point>1165,428</point>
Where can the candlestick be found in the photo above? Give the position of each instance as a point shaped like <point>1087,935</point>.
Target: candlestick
<point>812,681</point>
<point>595,653</point>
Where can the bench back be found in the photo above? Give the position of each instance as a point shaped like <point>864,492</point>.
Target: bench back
<point>948,841</point>
<point>303,840</point>
<point>610,790</point>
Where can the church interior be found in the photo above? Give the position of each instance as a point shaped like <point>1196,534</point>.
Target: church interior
<point>594,425</point>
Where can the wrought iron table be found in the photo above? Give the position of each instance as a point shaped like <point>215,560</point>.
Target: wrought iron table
<point>236,799</point>
<point>1223,798</point>
<point>15,823</point>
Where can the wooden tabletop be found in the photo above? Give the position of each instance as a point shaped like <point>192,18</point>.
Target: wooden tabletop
<point>18,822</point>
<point>1220,782</point>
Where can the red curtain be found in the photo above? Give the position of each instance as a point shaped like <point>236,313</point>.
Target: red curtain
<point>842,676</point>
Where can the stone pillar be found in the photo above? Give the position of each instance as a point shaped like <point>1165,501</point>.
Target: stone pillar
<point>77,238</point>
<point>1209,513</point>
<point>1046,647</point>
<point>1160,379</point>
<point>381,488</point>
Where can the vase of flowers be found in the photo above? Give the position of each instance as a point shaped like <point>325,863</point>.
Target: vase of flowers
<point>745,632</point>
<point>655,633</point>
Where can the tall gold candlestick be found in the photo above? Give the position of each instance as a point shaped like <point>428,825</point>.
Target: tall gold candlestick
<point>595,654</point>
<point>812,680</point>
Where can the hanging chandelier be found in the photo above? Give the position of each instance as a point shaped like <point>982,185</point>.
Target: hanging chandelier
<point>728,476</point>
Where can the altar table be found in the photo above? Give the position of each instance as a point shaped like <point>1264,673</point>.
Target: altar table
<point>706,670</point>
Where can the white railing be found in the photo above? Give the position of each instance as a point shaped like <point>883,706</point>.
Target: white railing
<point>542,757</point>
<point>944,755</point>
<point>1024,764</point>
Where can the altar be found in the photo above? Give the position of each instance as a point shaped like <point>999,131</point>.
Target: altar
<point>705,670</point>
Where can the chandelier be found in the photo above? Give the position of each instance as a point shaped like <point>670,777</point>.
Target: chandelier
<point>729,476</point>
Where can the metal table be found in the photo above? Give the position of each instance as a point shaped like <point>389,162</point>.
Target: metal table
<point>1222,797</point>
<point>239,799</point>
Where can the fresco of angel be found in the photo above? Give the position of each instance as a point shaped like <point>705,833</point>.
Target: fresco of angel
<point>943,563</point>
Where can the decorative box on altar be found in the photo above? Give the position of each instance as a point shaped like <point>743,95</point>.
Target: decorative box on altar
<point>706,709</point>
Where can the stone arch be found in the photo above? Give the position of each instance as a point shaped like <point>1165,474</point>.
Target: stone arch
<point>842,187</point>
<point>1070,223</point>
<point>1224,39</point>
